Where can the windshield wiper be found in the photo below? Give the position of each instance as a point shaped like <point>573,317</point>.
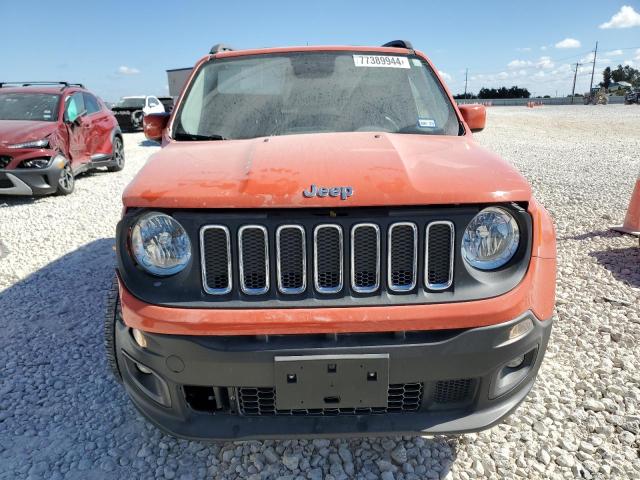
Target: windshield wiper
<point>195,137</point>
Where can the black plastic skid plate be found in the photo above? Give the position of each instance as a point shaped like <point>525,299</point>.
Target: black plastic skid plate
<point>331,381</point>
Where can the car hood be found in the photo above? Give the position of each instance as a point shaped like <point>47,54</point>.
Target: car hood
<point>20,131</point>
<point>381,169</point>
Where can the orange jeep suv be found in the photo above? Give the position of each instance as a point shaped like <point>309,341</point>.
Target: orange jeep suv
<point>321,248</point>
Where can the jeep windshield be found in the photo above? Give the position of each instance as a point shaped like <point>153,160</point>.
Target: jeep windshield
<point>39,107</point>
<point>314,92</point>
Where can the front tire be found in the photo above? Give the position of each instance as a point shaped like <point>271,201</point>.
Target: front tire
<point>117,156</point>
<point>112,315</point>
<point>67,181</point>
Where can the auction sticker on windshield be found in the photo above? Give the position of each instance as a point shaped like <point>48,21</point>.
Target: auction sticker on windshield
<point>380,61</point>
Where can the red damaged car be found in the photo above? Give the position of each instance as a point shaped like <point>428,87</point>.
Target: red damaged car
<point>49,133</point>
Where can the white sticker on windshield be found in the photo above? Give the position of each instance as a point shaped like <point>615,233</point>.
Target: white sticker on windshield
<point>426,122</point>
<point>386,61</point>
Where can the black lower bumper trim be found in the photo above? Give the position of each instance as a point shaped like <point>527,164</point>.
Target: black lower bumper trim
<point>225,387</point>
<point>30,181</point>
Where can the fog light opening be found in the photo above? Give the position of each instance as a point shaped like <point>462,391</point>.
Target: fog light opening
<point>143,369</point>
<point>516,362</point>
<point>520,329</point>
<point>139,337</point>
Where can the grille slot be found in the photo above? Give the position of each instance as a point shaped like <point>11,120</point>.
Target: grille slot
<point>403,256</point>
<point>328,258</point>
<point>215,252</point>
<point>258,401</point>
<point>365,258</point>
<point>253,246</point>
<point>202,399</point>
<point>292,259</point>
<point>4,161</point>
<point>453,391</point>
<point>439,255</point>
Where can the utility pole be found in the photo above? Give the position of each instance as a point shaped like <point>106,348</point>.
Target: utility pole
<point>573,90</point>
<point>593,69</point>
<point>466,74</point>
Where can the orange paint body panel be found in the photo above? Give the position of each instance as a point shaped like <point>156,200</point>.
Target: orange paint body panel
<point>533,293</point>
<point>383,169</point>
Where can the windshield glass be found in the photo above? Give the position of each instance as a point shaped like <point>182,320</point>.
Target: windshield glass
<point>40,107</point>
<point>131,103</point>
<point>282,94</point>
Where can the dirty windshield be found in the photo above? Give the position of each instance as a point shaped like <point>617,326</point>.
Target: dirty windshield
<point>41,107</point>
<point>284,94</point>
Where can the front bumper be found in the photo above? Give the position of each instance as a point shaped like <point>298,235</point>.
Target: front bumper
<point>31,181</point>
<point>443,381</point>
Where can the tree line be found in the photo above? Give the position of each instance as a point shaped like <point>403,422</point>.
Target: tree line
<point>502,92</point>
<point>620,74</point>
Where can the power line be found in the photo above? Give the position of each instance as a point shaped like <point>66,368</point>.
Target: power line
<point>581,54</point>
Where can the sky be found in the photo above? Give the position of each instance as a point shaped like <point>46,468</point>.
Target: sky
<point>121,48</point>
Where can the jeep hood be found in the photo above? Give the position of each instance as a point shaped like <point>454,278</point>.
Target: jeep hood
<point>382,169</point>
<point>20,131</point>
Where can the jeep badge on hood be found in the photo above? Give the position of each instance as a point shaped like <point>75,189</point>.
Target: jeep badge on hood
<point>342,192</point>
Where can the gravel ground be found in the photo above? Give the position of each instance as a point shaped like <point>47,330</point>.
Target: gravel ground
<point>62,416</point>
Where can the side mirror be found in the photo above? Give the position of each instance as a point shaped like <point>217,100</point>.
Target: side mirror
<point>154,124</point>
<point>475,115</point>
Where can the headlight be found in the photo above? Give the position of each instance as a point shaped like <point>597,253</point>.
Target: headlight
<point>44,143</point>
<point>36,163</point>
<point>491,239</point>
<point>160,244</point>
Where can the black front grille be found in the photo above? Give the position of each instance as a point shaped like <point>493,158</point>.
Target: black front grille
<point>402,259</point>
<point>4,161</point>
<point>254,253</point>
<point>342,258</point>
<point>328,258</point>
<point>365,254</point>
<point>439,255</point>
<point>402,397</point>
<point>216,268</point>
<point>373,252</point>
<point>453,391</point>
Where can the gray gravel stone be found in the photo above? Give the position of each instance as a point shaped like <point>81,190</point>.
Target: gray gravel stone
<point>387,475</point>
<point>399,454</point>
<point>291,460</point>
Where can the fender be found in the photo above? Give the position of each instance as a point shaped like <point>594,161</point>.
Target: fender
<point>116,131</point>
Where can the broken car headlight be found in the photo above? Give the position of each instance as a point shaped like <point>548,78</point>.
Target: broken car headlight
<point>44,143</point>
<point>35,163</point>
<point>491,239</point>
<point>160,245</point>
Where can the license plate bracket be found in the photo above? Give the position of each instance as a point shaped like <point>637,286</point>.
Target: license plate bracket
<point>331,381</point>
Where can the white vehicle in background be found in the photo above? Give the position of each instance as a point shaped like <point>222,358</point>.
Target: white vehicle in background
<point>131,110</point>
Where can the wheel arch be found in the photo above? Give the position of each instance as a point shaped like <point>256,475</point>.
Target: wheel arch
<point>116,132</point>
